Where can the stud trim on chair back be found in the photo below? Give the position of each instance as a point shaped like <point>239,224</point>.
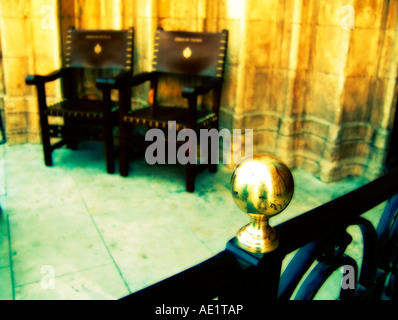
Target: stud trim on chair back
<point>99,48</point>
<point>191,53</point>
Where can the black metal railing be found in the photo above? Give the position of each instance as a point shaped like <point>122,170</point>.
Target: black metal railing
<point>319,235</point>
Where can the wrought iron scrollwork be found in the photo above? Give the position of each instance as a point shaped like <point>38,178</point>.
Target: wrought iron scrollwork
<point>379,261</point>
<point>329,255</point>
<point>387,232</point>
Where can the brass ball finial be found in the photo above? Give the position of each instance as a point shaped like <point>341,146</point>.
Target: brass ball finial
<point>261,186</point>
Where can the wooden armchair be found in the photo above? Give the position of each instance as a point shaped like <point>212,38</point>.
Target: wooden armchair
<point>196,60</point>
<point>85,117</point>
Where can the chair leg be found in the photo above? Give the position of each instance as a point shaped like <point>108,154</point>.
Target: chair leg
<point>109,148</point>
<point>68,125</point>
<point>45,136</point>
<point>71,145</point>
<point>123,167</point>
<point>108,131</point>
<point>45,130</point>
<point>47,155</point>
<point>123,162</point>
<point>213,167</point>
<point>190,177</point>
<point>110,160</point>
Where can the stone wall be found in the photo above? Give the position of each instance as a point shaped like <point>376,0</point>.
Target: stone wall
<point>30,44</point>
<point>317,84</point>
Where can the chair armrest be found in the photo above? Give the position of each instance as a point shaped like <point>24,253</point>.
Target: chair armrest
<point>142,77</point>
<point>114,82</point>
<point>189,92</point>
<point>39,79</point>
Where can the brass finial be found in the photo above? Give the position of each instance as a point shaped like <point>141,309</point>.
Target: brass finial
<point>262,186</point>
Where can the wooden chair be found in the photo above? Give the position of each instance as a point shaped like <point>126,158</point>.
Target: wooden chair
<point>196,59</point>
<point>85,116</point>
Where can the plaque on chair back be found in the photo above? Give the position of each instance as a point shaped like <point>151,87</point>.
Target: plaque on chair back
<point>195,53</point>
<point>98,49</point>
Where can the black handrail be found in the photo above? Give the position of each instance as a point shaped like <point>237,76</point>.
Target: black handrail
<point>319,234</point>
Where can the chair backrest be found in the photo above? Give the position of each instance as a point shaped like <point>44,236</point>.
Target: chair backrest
<point>107,49</point>
<point>190,53</point>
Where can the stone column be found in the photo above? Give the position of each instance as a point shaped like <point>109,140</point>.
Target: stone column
<point>30,44</point>
<point>312,82</point>
<point>231,15</point>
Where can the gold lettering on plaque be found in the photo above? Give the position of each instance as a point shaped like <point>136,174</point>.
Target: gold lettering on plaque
<point>187,53</point>
<point>94,36</point>
<point>97,48</point>
<point>180,39</point>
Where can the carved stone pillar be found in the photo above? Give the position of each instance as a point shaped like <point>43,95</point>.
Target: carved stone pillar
<point>30,43</point>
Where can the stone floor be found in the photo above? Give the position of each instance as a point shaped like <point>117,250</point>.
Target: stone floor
<point>73,231</point>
